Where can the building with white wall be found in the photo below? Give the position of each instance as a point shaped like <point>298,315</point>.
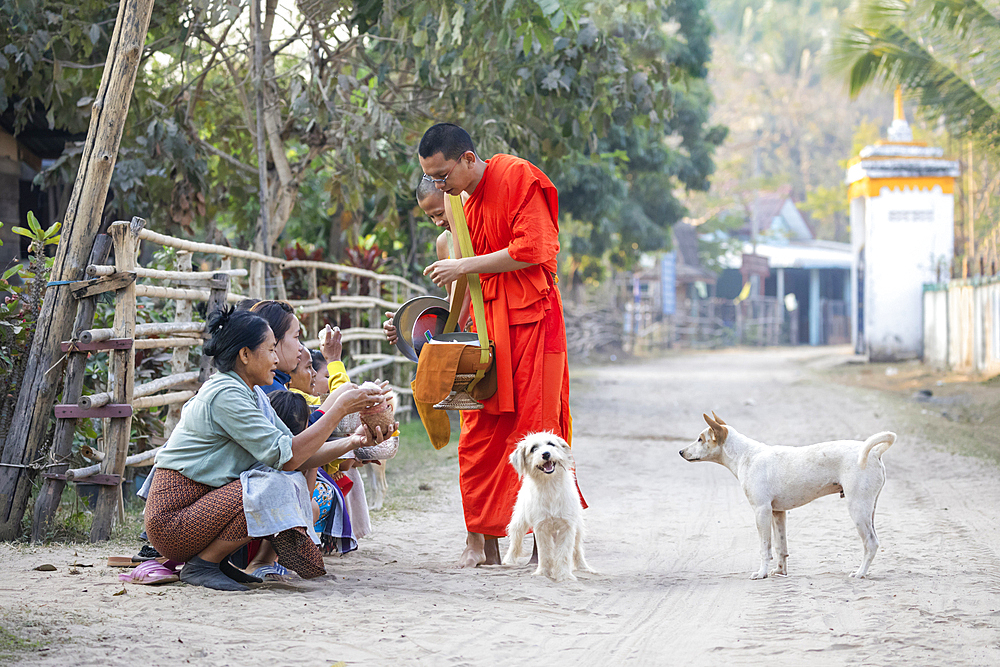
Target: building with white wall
<point>902,236</point>
<point>816,272</point>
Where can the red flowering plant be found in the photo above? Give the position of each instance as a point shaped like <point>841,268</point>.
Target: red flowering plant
<point>23,287</point>
<point>365,254</point>
<point>296,281</point>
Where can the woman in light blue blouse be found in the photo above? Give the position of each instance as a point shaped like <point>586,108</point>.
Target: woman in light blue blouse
<point>194,512</point>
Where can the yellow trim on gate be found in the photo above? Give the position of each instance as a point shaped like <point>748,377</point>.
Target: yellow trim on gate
<point>871,187</point>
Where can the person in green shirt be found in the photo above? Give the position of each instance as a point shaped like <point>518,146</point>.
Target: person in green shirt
<point>194,512</point>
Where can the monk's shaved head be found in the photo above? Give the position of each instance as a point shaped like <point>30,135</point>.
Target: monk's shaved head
<point>446,138</point>
<point>426,190</point>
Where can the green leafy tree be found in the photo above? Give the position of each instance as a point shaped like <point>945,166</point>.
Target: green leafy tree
<point>347,89</point>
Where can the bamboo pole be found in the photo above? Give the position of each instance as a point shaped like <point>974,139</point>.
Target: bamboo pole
<point>302,303</point>
<point>194,246</point>
<point>153,329</point>
<point>50,494</point>
<point>312,282</point>
<point>91,454</point>
<point>121,377</point>
<point>178,293</point>
<point>342,302</point>
<point>146,389</point>
<point>169,398</point>
<point>351,271</point>
<point>155,274</point>
<point>141,459</point>
<point>157,343</point>
<point>80,225</point>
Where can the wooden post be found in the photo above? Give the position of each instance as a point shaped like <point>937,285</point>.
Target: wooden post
<point>179,358</point>
<point>279,284</point>
<point>62,441</point>
<point>375,292</point>
<point>313,284</point>
<point>354,289</point>
<point>216,301</point>
<point>121,378</point>
<point>81,224</point>
<point>256,287</point>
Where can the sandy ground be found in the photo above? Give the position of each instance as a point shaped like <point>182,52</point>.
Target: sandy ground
<point>674,541</point>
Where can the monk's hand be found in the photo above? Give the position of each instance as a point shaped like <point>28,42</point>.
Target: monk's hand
<point>332,344</point>
<point>444,271</point>
<point>389,327</point>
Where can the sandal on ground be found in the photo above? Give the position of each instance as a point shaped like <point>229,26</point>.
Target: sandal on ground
<point>148,552</point>
<point>152,572</point>
<point>274,572</point>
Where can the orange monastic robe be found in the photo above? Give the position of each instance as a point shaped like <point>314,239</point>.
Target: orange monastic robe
<point>515,206</point>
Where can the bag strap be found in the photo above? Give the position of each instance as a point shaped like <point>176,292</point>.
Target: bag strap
<point>461,231</point>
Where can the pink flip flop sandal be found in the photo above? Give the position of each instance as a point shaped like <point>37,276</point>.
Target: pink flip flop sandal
<point>152,572</point>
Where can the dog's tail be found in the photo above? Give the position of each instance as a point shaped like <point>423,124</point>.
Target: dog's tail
<point>878,443</point>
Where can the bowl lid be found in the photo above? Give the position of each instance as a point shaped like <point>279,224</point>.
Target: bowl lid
<point>406,316</point>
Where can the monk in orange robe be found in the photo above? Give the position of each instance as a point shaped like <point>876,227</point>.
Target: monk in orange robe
<point>512,212</point>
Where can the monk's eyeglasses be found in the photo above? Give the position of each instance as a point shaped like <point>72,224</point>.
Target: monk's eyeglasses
<point>444,180</point>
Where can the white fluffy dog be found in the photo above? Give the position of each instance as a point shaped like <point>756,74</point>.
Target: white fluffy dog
<point>549,504</point>
<point>777,479</point>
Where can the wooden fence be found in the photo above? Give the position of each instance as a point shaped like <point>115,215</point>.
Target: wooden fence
<point>962,325</point>
<point>356,301</point>
<point>717,322</point>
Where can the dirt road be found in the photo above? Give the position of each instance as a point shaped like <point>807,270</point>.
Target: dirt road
<point>674,542</point>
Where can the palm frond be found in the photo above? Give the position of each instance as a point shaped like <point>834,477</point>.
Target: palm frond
<point>960,16</point>
<point>941,51</point>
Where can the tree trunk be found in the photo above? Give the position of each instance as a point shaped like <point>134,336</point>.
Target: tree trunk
<point>262,245</point>
<point>83,219</point>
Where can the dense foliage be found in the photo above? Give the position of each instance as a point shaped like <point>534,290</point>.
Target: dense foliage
<point>607,97</point>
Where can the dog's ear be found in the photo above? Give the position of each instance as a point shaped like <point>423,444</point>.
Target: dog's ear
<point>717,418</point>
<point>562,443</point>
<point>517,459</point>
<point>719,431</point>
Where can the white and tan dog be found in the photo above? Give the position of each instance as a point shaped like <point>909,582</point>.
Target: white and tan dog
<point>777,479</point>
<point>549,504</point>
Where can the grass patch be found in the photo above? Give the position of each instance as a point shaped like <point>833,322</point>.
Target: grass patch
<point>419,473</point>
<point>73,519</point>
<point>953,412</point>
<point>13,645</point>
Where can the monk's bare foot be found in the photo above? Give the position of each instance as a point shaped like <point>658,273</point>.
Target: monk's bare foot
<point>492,551</point>
<point>475,551</point>
<point>534,554</point>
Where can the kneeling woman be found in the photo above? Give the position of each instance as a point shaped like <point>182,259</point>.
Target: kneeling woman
<point>194,512</point>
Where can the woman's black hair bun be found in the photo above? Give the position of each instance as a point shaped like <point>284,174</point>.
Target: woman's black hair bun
<point>218,319</point>
<point>216,323</point>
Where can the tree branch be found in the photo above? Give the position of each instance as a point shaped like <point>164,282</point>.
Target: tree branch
<point>222,154</point>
